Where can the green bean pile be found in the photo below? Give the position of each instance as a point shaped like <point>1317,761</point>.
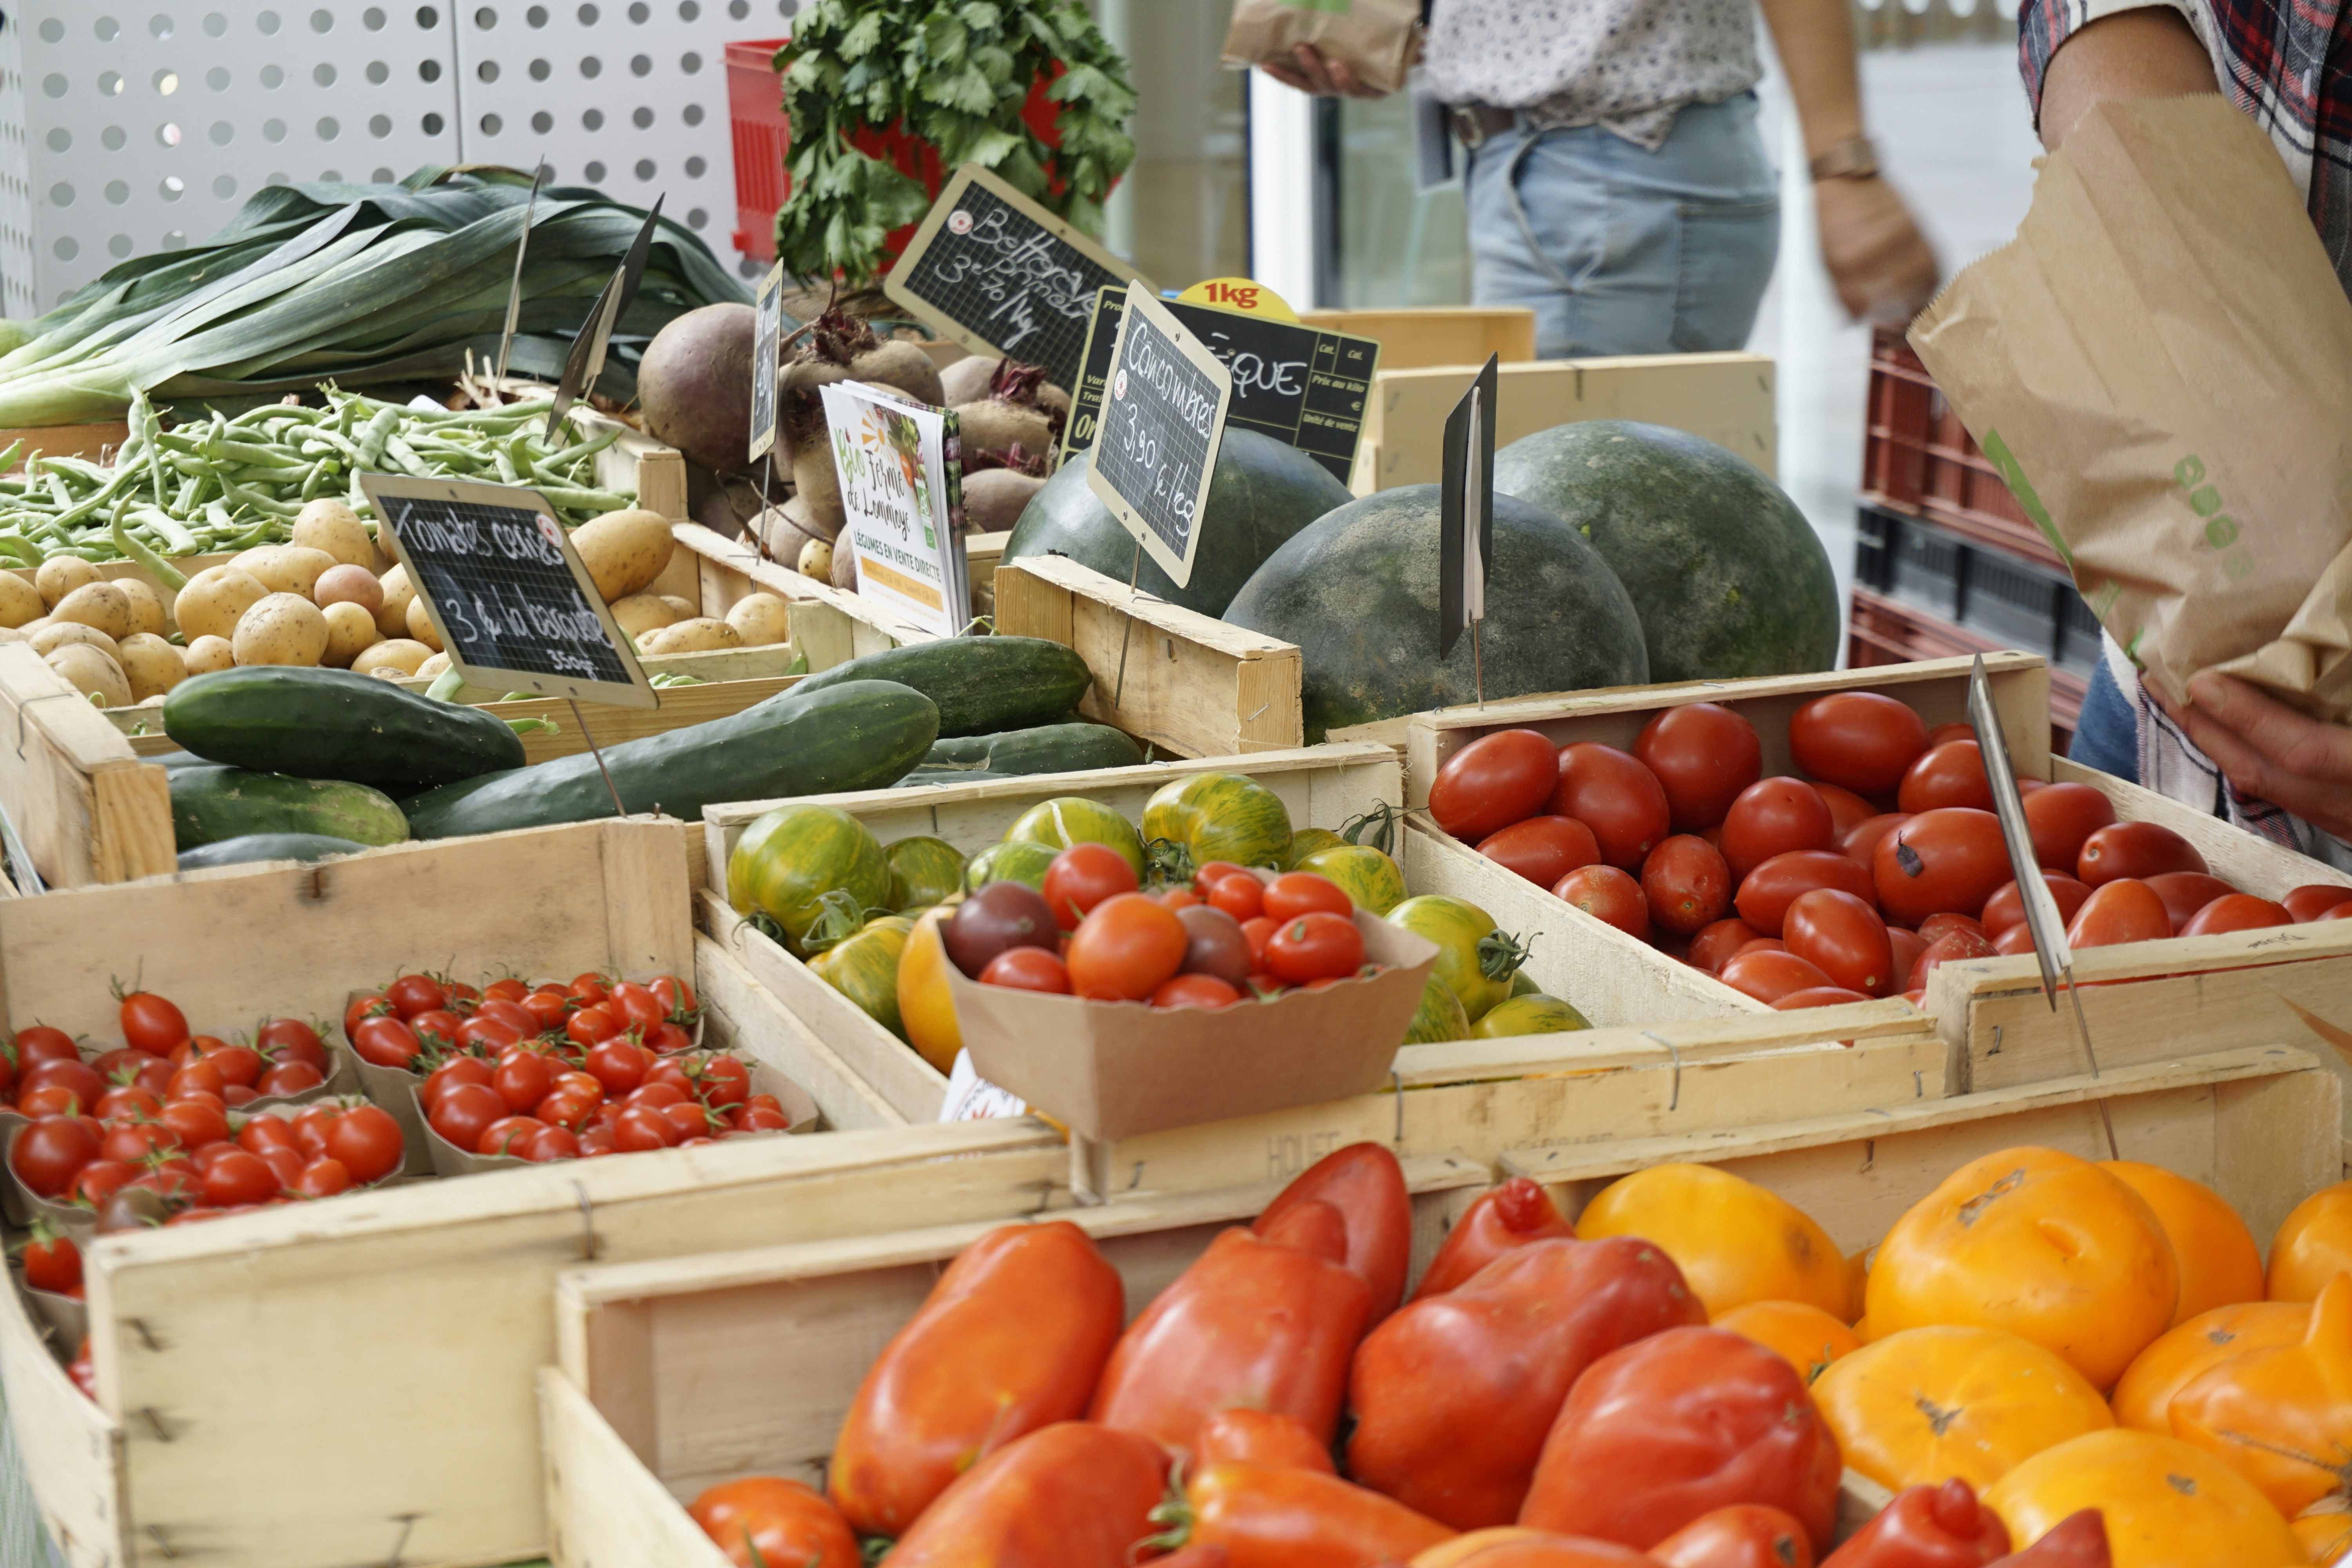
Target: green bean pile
<point>230,484</point>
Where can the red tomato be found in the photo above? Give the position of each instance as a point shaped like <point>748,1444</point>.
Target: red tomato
<point>126,1102</point>
<point>775,1524</point>
<point>1817,997</point>
<point>548,1144</point>
<point>1711,949</point>
<point>438,1029</point>
<point>1258,932</point>
<point>2135,849</point>
<point>1686,883</point>
<point>1028,969</point>
<point>492,1034</point>
<point>1178,899</point>
<point>1703,756</point>
<point>196,1121</point>
<point>99,1180</point>
<point>1503,1219</point>
<point>1262,1516</point>
<point>669,1039</point>
<point>1768,976</point>
<point>258,1134</point>
<point>1215,871</point>
<point>591,987</point>
<point>1840,934</point>
<point>1296,893</point>
<point>1612,794</point>
<point>565,1108</point>
<point>51,1099</point>
<point>132,1141</point>
<point>636,1006</point>
<point>1860,741</point>
<point>2120,911</point>
<point>310,1124</point>
<point>1493,781</point>
<point>507,988</point>
<point>52,1259</point>
<point>522,1079</point>
<point>42,1044</point>
<point>1196,991</point>
<point>322,1178</point>
<point>2236,911</point>
<point>1949,859</point>
<point>464,1112</point>
<point>1744,1536</point>
<point>1256,1438</point>
<point>199,1076</point>
<point>508,1135</point>
<point>2006,908</point>
<point>591,1024</point>
<point>641,1127</point>
<point>1848,810</point>
<point>284,1080</point>
<point>456,1070</point>
<point>386,1042</point>
<point>1128,948</point>
<point>722,1082</point>
<point>2013,940</point>
<point>677,995</point>
<point>1609,896</point>
<point>290,1040</point>
<point>367,1143</point>
<point>1543,849</point>
<point>1946,775</point>
<point>414,994</point>
<point>1952,945</point>
<point>548,1011</point>
<point>1318,946</point>
<point>49,1152</point>
<point>2313,899</point>
<point>1936,926</point>
<point>236,1178</point>
<point>76,1077</point>
<point>2061,817</point>
<point>619,1065</point>
<point>1775,816</point>
<point>1767,892</point>
<point>660,1094</point>
<point>149,1023</point>
<point>1958,730</point>
<point>1244,898</point>
<point>1083,875</point>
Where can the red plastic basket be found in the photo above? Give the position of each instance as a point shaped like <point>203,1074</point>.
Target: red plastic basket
<point>1918,458</point>
<point>1883,631</point>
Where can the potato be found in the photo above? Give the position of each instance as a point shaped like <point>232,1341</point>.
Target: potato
<point>351,631</point>
<point>680,608</point>
<point>392,616</point>
<point>705,633</point>
<point>329,525</point>
<point>147,613</point>
<point>816,561</point>
<point>57,634</point>
<point>284,628</point>
<point>420,626</point>
<point>92,673</point>
<point>624,551</point>
<point>19,601</point>
<point>214,599</point>
<point>761,620</point>
<point>641,614</point>
<point>432,667</point>
<point>209,655</point>
<point>284,568</point>
<point>99,604</point>
<point>393,656</point>
<point>349,585</point>
<point>152,665</point>
<point>61,575</point>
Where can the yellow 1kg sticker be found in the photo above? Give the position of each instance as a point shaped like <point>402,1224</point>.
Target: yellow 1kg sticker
<point>1244,294</point>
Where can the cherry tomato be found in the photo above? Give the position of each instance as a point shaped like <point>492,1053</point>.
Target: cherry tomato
<point>1960,945</point>
<point>1775,816</point>
<point>1817,997</point>
<point>367,1142</point>
<point>464,1112</point>
<point>507,989</point>
<point>149,1023</point>
<point>310,1124</point>
<point>260,1134</point>
<point>51,1099</point>
<point>1612,794</point>
<point>593,1087</point>
<point>668,1039</point>
<point>1493,781</point>
<point>494,1035</point>
<point>1028,969</point>
<point>196,1122</point>
<point>1686,883</point>
<point>414,994</point>
<point>132,1141</point>
<point>456,1070</point>
<point>438,1029</point>
<point>51,1151</point>
<point>550,1143</point>
<point>1768,976</point>
<point>522,1079</point>
<point>592,1022</point>
<point>322,1178</point>
<point>284,1080</point>
<point>198,1076</point>
<point>2062,817</point>
<point>2236,911</point>
<point>1766,892</point>
<point>1703,755</point>
<point>1543,849</point>
<point>638,1008</point>
<point>1084,875</point>
<point>641,1127</point>
<point>2135,850</point>
<point>1244,898</point>
<point>1296,893</point>
<point>368,1004</point>
<point>2006,908</point>
<point>1947,860</point>
<point>1609,896</point>
<point>42,1044</point>
<point>1840,934</point>
<point>1127,949</point>
<point>566,1109</point>
<point>506,1134</point>
<point>2120,911</point>
<point>386,1042</point>
<point>290,1040</point>
<point>521,1020</point>
<point>125,1102</point>
<point>1196,991</point>
<point>1215,871</point>
<point>618,1064</point>
<point>591,987</point>
<point>237,1178</point>
<point>1860,741</point>
<point>286,1164</point>
<point>76,1077</point>
<point>237,1065</point>
<point>724,1083</point>
<point>1713,947</point>
<point>1935,926</point>
<point>1946,775</point>
<point>1318,945</point>
<point>1178,899</point>
<point>547,1010</point>
<point>1257,932</point>
<point>660,1096</point>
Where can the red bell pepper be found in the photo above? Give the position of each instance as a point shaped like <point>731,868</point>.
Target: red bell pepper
<point>1508,1216</point>
<point>2078,1541</point>
<point>1366,1184</point>
<point>1073,1495</point>
<point>1928,1527</point>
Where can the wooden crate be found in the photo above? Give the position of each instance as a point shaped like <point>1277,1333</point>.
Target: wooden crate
<point>65,440</point>
<point>424,1305</point>
<point>635,1424</point>
<point>1725,397</point>
<point>1438,334</point>
<point>2186,995</point>
<point>87,809</point>
<point>1186,683</point>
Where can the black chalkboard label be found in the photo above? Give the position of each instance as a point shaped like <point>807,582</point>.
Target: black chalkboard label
<point>1305,388</point>
<point>1001,275</point>
<point>505,591</point>
<point>767,352</point>
<point>1162,421</point>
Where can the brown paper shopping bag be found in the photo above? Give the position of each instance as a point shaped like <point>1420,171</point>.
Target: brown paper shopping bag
<point>1377,39</point>
<point>2161,366</point>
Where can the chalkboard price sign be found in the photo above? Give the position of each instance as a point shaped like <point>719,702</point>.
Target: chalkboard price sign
<point>1001,275</point>
<point>767,346</point>
<point>505,591</point>
<point>1163,419</point>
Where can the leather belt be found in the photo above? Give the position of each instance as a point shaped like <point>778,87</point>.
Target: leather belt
<point>1475,123</point>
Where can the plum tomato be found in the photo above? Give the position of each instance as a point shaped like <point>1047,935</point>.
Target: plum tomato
<point>1686,883</point>
<point>290,1040</point>
<point>1217,945</point>
<point>1958,730</point>
<point>1612,794</point>
<point>1775,816</point>
<point>1703,755</point>
<point>42,1044</point>
<point>1128,948</point>
<point>999,916</point>
<point>1083,875</point>
<point>2124,910</point>
<point>1493,781</point>
<point>618,1064</point>
<point>2135,850</point>
<point>1179,899</point>
<point>1028,969</point>
<point>237,1065</point>
<point>198,1076</point>
<point>1817,997</point>
<point>1768,976</point>
<point>2062,817</point>
<point>149,1023</point>
<point>1949,859</point>
<point>2006,908</point>
<point>1848,810</point>
<point>1296,893</point>
<point>1958,944</point>
<point>1543,849</point>
<point>1318,945</point>
<point>1840,934</point>
<point>1766,892</point>
<point>1244,898</point>
<point>1935,926</point>
<point>2236,911</point>
<point>49,1152</point>
<point>522,1078</point>
<point>1609,896</point>
<point>1859,741</point>
<point>1712,948</point>
<point>386,1042</point>
<point>322,1178</point>
<point>2313,899</point>
<point>1196,991</point>
<point>367,1142</point>
<point>2014,940</point>
<point>237,1178</point>
<point>414,994</point>
<point>1946,775</point>
<point>1212,872</point>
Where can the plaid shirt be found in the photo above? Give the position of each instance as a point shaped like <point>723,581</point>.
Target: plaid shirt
<point>2288,63</point>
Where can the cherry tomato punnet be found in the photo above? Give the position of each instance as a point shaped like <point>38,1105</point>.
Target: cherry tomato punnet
<point>1493,781</point>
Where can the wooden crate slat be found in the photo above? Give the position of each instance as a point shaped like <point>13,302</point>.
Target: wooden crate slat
<point>87,809</point>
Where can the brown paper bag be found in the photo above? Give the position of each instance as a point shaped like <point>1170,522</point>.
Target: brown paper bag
<point>1377,39</point>
<point>2160,364</point>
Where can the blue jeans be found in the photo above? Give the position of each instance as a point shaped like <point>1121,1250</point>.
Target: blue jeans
<point>2106,732</point>
<point>1620,251</point>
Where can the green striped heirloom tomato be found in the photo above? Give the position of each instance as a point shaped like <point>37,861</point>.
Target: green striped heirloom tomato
<point>1475,959</point>
<point>790,858</point>
<point>923,872</point>
<point>1220,816</point>
<point>1072,819</point>
<point>865,969</point>
<point>1370,879</point>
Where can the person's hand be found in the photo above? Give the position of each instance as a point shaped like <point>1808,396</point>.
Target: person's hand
<point>1309,71</point>
<point>1878,261</point>
<point>2269,749</point>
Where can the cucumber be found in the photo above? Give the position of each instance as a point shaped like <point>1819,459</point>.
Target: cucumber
<point>928,775</point>
<point>253,846</point>
<point>859,735</point>
<point>215,803</point>
<point>332,724</point>
<point>981,685</point>
<point>1047,749</point>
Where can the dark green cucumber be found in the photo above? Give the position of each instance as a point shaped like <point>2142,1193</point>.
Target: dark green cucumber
<point>928,775</point>
<point>212,804</point>
<point>1047,749</point>
<point>860,735</point>
<point>254,846</point>
<point>981,685</point>
<point>332,724</point>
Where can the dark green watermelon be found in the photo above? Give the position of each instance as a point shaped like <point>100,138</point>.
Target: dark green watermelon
<point>1729,578</point>
<point>1358,592</point>
<point>1262,493</point>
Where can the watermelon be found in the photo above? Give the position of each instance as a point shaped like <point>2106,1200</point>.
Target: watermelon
<point>1728,577</point>
<point>1358,592</point>
<point>1262,493</point>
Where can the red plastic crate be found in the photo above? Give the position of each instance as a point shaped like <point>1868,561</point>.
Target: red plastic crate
<point>1882,631</point>
<point>1918,457</point>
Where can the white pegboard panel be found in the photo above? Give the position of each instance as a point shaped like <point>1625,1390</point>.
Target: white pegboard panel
<point>16,180</point>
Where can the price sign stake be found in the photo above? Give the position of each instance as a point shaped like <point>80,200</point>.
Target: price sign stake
<point>1466,528</point>
<point>585,362</point>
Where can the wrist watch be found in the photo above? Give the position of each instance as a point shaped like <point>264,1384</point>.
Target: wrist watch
<point>1851,159</point>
